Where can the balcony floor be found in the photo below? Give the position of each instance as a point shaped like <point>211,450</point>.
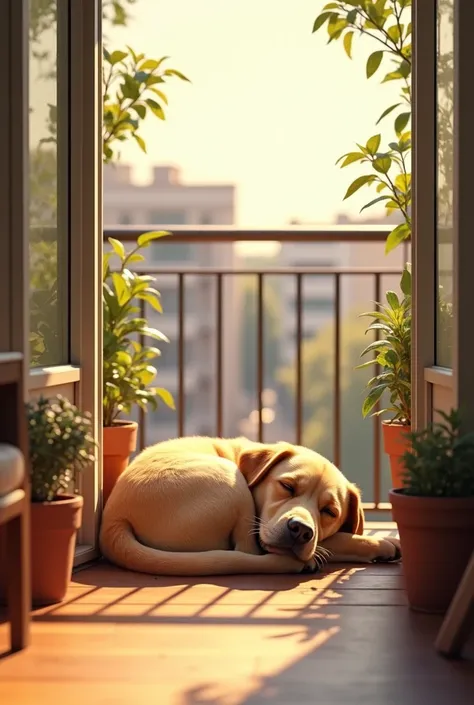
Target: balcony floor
<point>343,636</point>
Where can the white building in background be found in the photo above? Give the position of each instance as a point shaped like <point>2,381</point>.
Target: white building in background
<point>164,202</point>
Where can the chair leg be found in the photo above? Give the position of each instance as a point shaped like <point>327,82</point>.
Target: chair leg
<point>459,618</point>
<point>18,581</point>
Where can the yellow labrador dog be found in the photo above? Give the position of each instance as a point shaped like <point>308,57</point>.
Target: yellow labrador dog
<point>209,506</point>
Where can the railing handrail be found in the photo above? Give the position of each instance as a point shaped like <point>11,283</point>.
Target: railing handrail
<point>232,233</point>
<point>269,271</point>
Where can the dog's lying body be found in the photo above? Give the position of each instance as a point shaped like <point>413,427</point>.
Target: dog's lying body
<point>209,506</point>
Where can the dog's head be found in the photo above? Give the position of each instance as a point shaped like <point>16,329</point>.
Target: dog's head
<point>300,497</point>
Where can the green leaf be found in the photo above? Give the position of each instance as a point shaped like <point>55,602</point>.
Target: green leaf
<point>153,333</point>
<point>118,247</point>
<point>401,122</point>
<point>320,20</point>
<point>373,144</point>
<point>376,345</point>
<point>130,88</point>
<point>140,109</point>
<point>398,235</point>
<point>160,95</point>
<point>166,397</point>
<point>350,158</point>
<point>394,33</point>
<point>152,300</point>
<point>405,282</point>
<point>121,288</point>
<point>135,258</point>
<point>149,65</point>
<point>387,112</point>
<point>145,239</point>
<point>123,358</point>
<point>403,183</point>
<point>376,200</point>
<point>382,164</point>
<point>358,183</point>
<point>116,56</point>
<point>140,141</point>
<point>393,300</point>
<point>155,108</point>
<point>178,74</point>
<point>347,41</point>
<point>372,399</point>
<point>373,62</point>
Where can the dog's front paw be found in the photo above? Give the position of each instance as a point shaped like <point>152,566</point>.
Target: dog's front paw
<point>389,551</point>
<point>310,566</point>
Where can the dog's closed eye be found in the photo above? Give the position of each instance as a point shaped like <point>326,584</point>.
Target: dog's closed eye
<point>287,487</point>
<point>329,511</point>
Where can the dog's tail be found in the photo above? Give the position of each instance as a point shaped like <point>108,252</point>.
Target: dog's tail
<point>120,546</point>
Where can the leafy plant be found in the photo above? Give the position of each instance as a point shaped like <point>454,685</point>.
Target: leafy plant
<point>387,23</point>
<point>130,92</point>
<point>392,355</point>
<point>128,374</point>
<point>440,462</point>
<point>60,446</point>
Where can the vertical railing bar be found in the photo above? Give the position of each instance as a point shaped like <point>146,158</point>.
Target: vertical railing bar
<point>299,358</point>
<point>141,412</point>
<point>337,371</point>
<point>260,361</point>
<point>377,468</point>
<point>219,338</point>
<point>181,395</point>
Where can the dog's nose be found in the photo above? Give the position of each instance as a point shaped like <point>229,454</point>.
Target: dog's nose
<point>301,532</point>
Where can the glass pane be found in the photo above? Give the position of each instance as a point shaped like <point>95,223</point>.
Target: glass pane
<point>48,215</point>
<point>445,82</point>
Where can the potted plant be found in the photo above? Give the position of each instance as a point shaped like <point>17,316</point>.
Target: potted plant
<point>60,446</point>
<point>434,511</point>
<point>392,355</point>
<point>128,375</point>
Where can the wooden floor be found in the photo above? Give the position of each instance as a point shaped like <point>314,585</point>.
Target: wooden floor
<point>339,638</point>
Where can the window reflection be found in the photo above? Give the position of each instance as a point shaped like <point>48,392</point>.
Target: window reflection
<point>48,96</point>
<point>445,84</point>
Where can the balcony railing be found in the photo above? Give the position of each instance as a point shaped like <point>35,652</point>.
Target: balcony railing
<point>232,235</point>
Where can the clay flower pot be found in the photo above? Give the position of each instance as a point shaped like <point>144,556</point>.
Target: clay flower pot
<point>396,443</point>
<point>437,537</point>
<point>54,527</point>
<point>119,442</point>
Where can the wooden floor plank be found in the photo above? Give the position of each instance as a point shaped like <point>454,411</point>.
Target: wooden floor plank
<point>341,637</point>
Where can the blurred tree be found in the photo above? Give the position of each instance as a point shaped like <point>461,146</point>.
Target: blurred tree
<point>249,334</point>
<point>318,400</point>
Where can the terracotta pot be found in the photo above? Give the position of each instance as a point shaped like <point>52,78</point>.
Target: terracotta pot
<point>54,527</point>
<point>53,532</point>
<point>119,442</point>
<point>437,537</point>
<point>395,444</point>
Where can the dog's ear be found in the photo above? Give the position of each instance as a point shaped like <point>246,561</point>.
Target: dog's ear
<point>354,523</point>
<point>257,461</point>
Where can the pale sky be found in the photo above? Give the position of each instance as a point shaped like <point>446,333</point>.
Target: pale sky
<point>271,106</point>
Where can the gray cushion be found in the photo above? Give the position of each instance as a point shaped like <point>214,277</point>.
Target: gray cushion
<point>12,469</point>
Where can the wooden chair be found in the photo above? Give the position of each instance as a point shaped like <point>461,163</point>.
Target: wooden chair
<point>459,619</point>
<point>14,500</point>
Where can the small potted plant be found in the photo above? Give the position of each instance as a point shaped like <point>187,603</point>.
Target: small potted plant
<point>128,375</point>
<point>60,446</point>
<point>392,355</point>
<point>435,512</point>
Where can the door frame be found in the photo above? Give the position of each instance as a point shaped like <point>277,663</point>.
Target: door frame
<point>433,385</point>
<point>80,378</point>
